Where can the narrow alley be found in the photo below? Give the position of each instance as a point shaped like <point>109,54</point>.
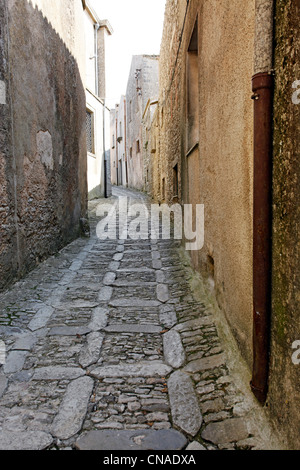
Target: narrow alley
<point>149,207</point>
<point>109,348</point>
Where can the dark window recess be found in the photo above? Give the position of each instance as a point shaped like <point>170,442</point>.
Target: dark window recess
<point>175,181</point>
<point>193,91</point>
<point>90,132</point>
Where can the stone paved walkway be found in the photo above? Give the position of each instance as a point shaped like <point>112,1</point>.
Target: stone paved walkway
<point>108,348</point>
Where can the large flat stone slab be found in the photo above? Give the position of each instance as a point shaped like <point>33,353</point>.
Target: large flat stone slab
<point>114,266</point>
<point>230,430</point>
<point>155,254</point>
<point>173,350</point>
<point>15,361</point>
<point>3,384</point>
<point>167,316</point>
<point>160,277</point>
<point>25,342</point>
<point>29,440</point>
<point>109,278</point>
<point>135,270</point>
<point>195,324</point>
<point>156,264</point>
<point>195,446</point>
<point>76,265</point>
<point>184,404</point>
<point>206,363</point>
<point>79,304</point>
<point>69,331</point>
<point>57,373</point>
<point>73,408</point>
<point>105,294</point>
<point>41,318</point>
<point>91,351</point>
<point>162,292</point>
<point>99,319</point>
<point>134,284</point>
<point>132,328</point>
<point>118,257</point>
<point>133,302</point>
<point>146,439</point>
<point>55,298</point>
<point>142,369</point>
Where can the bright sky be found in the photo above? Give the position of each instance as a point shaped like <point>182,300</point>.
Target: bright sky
<point>137,26</point>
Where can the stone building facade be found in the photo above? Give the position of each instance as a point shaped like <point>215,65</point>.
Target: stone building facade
<point>148,144</point>
<point>206,141</point>
<point>97,113</point>
<point>43,176</point>
<point>142,86</point>
<point>118,144</point>
<point>210,149</point>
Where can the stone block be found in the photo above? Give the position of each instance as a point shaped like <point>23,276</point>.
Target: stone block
<point>184,405</point>
<point>73,408</point>
<point>146,439</point>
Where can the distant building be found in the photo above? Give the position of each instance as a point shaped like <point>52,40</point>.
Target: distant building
<point>149,143</point>
<point>97,114</point>
<point>143,85</point>
<point>118,156</point>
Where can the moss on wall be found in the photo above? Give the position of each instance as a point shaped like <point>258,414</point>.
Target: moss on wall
<point>284,396</point>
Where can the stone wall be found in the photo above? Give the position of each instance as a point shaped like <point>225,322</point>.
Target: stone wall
<point>216,169</point>
<point>8,252</point>
<point>206,126</point>
<point>155,155</point>
<point>43,139</point>
<point>148,144</point>
<point>284,395</point>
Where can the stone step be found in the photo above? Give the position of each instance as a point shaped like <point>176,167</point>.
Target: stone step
<point>133,328</point>
<point>124,440</point>
<point>141,369</point>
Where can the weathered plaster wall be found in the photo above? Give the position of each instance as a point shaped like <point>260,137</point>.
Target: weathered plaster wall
<point>43,140</point>
<point>95,160</point>
<point>101,39</point>
<point>284,394</point>
<point>217,172</point>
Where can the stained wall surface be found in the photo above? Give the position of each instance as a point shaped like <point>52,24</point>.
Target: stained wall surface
<point>43,138</point>
<point>284,395</point>
<point>206,129</point>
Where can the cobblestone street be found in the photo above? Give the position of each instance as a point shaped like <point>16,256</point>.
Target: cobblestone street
<point>107,347</point>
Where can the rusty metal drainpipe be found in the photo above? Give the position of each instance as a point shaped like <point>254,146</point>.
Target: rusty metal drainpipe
<point>262,86</point>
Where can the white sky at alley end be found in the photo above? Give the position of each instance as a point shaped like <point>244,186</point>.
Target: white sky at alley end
<point>138,26</point>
